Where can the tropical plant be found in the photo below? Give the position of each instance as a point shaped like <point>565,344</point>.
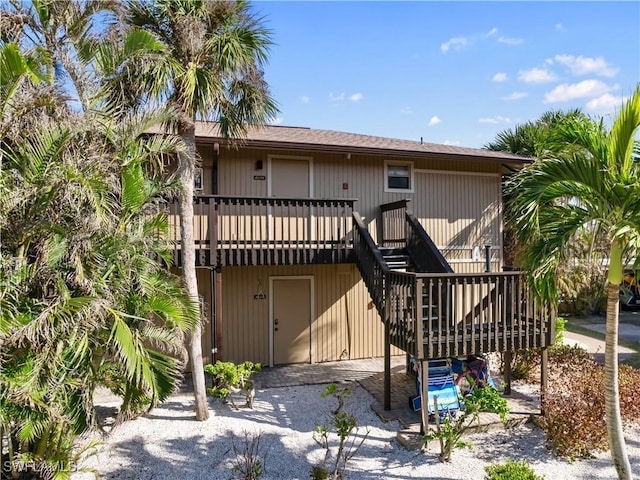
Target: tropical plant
<point>230,378</point>
<point>210,70</point>
<point>346,429</point>
<point>533,139</point>
<point>86,298</point>
<point>250,458</point>
<point>87,301</point>
<point>590,179</point>
<point>511,470</point>
<point>451,426</point>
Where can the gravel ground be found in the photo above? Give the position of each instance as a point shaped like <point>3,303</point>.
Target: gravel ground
<point>169,444</point>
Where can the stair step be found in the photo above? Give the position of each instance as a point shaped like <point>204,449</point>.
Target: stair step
<point>392,251</point>
<point>397,261</point>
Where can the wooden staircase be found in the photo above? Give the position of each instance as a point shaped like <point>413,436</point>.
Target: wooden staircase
<point>398,259</point>
<point>431,312</point>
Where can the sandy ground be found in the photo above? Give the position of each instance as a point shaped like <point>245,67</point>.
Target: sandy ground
<point>169,444</point>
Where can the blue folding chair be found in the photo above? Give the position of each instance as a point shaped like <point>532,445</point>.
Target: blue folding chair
<point>442,385</point>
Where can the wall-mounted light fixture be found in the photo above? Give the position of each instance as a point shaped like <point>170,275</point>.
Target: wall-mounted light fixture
<point>259,165</point>
<point>488,238</point>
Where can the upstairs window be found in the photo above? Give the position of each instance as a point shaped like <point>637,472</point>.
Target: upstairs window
<point>399,177</point>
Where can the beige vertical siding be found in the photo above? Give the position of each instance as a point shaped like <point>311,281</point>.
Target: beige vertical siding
<point>340,295</point>
<point>456,209</point>
<point>204,289</point>
<point>206,153</point>
<point>203,276</point>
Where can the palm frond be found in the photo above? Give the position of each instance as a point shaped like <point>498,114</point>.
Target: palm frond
<point>622,136</point>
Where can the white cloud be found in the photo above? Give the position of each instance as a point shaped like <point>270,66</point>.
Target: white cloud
<point>511,41</point>
<point>341,97</point>
<point>586,65</point>
<point>406,111</point>
<point>457,43</point>
<point>491,32</point>
<point>515,96</point>
<point>536,75</point>
<point>434,121</point>
<point>584,89</point>
<point>305,99</point>
<point>277,121</point>
<point>499,77</point>
<point>605,104</point>
<point>495,120</point>
<point>453,143</point>
<point>559,26</point>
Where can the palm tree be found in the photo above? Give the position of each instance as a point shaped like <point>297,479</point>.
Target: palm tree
<point>85,295</point>
<point>532,138</point>
<point>594,180</point>
<point>584,285</point>
<point>214,52</point>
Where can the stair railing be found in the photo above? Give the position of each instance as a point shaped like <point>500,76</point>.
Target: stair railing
<point>423,251</point>
<point>370,262</point>
<point>393,231</point>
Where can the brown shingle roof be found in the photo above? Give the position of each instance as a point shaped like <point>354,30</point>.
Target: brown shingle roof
<point>301,138</point>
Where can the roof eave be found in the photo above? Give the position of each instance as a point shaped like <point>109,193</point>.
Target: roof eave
<point>363,150</point>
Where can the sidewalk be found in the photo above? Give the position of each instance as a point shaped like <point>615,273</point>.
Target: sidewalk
<point>628,329</point>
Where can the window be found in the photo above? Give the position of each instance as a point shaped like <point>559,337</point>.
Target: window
<point>399,177</point>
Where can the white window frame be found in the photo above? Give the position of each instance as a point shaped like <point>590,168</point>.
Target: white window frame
<point>389,163</point>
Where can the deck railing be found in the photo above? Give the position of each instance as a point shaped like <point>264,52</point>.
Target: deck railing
<point>446,314</point>
<point>453,315</point>
<point>393,225</point>
<point>369,261</point>
<point>230,230</point>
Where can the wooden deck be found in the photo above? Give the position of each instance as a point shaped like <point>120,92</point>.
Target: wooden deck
<point>246,231</point>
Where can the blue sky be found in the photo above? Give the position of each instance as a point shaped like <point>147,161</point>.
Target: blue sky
<point>450,72</point>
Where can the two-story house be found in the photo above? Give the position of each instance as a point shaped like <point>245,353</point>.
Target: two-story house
<point>316,245</point>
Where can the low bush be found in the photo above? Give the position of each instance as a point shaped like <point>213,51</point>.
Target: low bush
<point>450,429</point>
<point>345,427</point>
<point>230,378</point>
<point>250,457</point>
<point>511,470</point>
<point>574,418</point>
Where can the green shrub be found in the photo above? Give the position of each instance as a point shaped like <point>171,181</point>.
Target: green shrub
<point>511,470</point>
<point>345,427</point>
<point>449,431</point>
<point>525,364</point>
<point>229,378</point>
<point>561,327</point>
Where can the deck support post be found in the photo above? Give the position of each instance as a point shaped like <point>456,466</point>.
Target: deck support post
<point>544,376</point>
<point>508,356</point>
<point>424,395</point>
<point>387,367</point>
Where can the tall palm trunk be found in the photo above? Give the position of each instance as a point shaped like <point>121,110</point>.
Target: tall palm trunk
<point>611,395</point>
<point>185,174</point>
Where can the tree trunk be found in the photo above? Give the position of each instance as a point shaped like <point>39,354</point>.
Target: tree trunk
<point>186,167</point>
<point>611,394</point>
